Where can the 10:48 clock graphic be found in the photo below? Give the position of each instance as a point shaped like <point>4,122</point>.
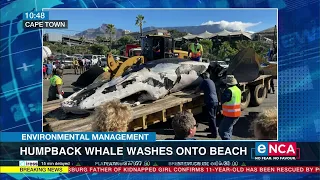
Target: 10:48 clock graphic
<point>36,15</point>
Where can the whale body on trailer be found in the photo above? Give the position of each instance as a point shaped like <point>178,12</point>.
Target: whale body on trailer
<point>150,81</point>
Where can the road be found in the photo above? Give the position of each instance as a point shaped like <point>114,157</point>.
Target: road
<point>164,130</point>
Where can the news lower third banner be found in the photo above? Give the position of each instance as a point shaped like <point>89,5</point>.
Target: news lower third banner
<point>142,149</point>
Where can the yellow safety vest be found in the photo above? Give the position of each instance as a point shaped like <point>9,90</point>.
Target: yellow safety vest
<point>75,62</point>
<point>54,79</point>
<point>233,108</point>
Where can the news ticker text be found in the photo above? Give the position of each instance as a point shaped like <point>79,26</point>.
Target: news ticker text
<point>45,24</point>
<point>157,163</point>
<point>160,169</point>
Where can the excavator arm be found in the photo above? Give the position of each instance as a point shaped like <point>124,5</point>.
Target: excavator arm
<point>112,64</point>
<point>136,60</point>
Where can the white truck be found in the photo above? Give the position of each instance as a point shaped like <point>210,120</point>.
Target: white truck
<point>94,58</point>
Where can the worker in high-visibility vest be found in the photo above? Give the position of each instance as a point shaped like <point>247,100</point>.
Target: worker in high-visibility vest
<point>231,109</point>
<point>106,68</point>
<point>196,51</point>
<point>55,89</point>
<point>75,65</point>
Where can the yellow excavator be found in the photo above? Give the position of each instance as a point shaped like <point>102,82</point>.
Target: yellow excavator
<point>153,47</point>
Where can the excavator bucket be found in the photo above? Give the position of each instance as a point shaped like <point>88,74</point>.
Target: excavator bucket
<point>103,77</point>
<point>245,66</point>
<point>88,77</point>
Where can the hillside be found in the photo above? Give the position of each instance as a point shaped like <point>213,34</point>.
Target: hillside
<point>101,31</point>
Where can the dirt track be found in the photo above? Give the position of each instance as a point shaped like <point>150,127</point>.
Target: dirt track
<point>164,131</point>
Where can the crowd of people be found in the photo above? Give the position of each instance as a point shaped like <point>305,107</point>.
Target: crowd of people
<point>49,68</point>
<point>53,70</point>
<point>116,117</point>
<point>80,65</point>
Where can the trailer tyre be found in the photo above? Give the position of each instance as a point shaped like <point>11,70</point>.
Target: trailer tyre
<point>258,95</point>
<point>245,99</point>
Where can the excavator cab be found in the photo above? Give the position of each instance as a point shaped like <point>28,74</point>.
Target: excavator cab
<point>153,47</point>
<point>157,47</point>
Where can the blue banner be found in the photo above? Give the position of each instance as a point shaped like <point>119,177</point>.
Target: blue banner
<point>77,137</point>
<point>36,15</point>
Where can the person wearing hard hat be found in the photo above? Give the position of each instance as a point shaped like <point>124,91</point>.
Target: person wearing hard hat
<point>196,51</point>
<point>55,89</point>
<point>231,109</point>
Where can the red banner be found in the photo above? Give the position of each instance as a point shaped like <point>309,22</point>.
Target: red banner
<point>195,169</point>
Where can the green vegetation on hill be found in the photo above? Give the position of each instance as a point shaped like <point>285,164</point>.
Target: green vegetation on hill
<point>212,50</point>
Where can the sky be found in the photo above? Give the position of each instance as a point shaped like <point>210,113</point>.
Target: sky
<point>79,20</point>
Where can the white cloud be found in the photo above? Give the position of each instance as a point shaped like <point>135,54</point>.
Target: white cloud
<point>232,26</point>
<point>252,32</point>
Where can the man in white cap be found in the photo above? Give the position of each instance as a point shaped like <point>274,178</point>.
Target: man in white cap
<point>231,110</point>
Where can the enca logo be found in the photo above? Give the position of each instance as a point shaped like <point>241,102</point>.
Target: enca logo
<point>276,149</point>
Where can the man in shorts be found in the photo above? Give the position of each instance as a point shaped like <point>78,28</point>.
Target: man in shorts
<point>81,65</point>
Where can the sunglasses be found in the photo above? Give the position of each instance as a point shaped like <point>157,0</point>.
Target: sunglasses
<point>196,125</point>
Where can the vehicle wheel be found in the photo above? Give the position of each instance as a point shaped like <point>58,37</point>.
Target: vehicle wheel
<point>245,99</point>
<point>258,95</point>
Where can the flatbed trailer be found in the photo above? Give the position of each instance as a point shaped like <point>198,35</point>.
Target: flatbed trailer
<point>146,114</point>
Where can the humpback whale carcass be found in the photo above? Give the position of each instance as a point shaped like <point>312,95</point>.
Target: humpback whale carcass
<point>149,81</point>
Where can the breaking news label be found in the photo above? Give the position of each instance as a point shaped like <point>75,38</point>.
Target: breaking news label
<point>275,151</point>
<point>160,169</point>
<point>34,166</point>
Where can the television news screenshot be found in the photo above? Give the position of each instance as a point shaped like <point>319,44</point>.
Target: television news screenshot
<point>121,89</point>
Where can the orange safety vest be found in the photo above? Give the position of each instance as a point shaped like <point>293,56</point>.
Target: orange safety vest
<point>233,108</point>
<point>195,55</point>
<point>194,50</point>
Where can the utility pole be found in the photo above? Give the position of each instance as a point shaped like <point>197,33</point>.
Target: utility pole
<point>274,39</point>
